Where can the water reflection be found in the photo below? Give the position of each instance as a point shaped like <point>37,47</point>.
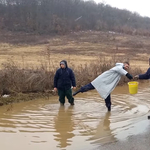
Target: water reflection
<point>103,133</point>
<point>64,126</point>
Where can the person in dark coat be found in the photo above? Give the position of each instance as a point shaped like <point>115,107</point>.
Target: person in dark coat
<point>64,79</point>
<point>144,76</point>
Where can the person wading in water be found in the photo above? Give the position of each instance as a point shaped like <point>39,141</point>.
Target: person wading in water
<point>107,81</point>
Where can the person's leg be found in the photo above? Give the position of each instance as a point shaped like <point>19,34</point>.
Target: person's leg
<point>61,94</point>
<point>108,102</point>
<point>69,96</point>
<point>84,89</point>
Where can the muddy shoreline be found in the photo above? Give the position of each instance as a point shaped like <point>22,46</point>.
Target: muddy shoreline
<point>22,97</point>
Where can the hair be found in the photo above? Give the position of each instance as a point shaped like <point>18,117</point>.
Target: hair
<point>126,62</point>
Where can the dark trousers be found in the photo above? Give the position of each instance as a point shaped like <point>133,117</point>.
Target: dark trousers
<point>91,87</point>
<point>67,93</point>
<point>87,88</point>
<point>108,101</point>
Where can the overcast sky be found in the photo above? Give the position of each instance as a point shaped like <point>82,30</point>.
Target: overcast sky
<point>140,6</point>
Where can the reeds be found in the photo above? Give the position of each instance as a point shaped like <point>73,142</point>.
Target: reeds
<point>15,79</point>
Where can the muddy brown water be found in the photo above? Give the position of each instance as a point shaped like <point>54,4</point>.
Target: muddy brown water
<point>44,125</point>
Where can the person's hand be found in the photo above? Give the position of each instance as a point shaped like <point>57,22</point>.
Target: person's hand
<point>55,89</point>
<point>136,77</point>
<point>74,88</point>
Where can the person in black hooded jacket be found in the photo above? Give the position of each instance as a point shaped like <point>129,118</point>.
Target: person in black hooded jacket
<point>64,79</point>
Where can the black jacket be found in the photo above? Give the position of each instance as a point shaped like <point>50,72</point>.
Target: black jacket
<point>146,75</point>
<point>64,78</point>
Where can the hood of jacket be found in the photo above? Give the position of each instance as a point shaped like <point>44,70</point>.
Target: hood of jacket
<point>119,64</point>
<point>65,63</point>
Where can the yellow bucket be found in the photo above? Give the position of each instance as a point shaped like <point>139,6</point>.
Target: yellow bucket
<point>133,87</point>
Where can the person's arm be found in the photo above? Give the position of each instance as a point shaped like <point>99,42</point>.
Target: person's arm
<point>129,76</point>
<point>145,76</point>
<point>72,77</point>
<point>55,80</point>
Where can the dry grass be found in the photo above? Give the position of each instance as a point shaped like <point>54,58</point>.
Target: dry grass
<point>15,79</point>
<point>78,48</point>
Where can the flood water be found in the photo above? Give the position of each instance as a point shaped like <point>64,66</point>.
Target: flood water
<point>45,125</point>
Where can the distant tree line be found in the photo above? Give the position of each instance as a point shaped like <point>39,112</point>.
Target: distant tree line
<point>62,16</point>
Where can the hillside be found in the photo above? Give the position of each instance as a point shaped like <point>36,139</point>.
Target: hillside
<point>63,16</point>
